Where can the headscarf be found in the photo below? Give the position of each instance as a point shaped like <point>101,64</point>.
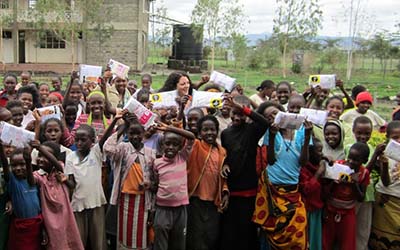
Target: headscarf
<point>338,152</point>
<point>90,118</point>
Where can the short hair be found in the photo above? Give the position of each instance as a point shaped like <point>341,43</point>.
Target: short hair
<point>243,100</point>
<point>58,77</point>
<point>335,97</point>
<point>198,110</point>
<point>43,83</point>
<point>30,89</point>
<point>14,103</point>
<point>362,120</point>
<point>363,149</point>
<point>392,125</point>
<point>54,147</point>
<point>10,75</point>
<point>357,90</point>
<point>297,96</point>
<point>147,76</point>
<point>68,103</point>
<point>90,130</point>
<point>284,83</point>
<point>263,106</point>
<point>42,138</point>
<point>142,94</point>
<point>207,118</point>
<point>268,84</point>
<point>212,86</point>
<point>26,73</point>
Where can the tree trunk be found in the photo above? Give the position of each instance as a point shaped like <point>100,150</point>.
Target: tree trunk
<point>212,55</point>
<point>372,67</point>
<point>72,50</point>
<point>349,64</point>
<point>15,31</point>
<point>284,58</point>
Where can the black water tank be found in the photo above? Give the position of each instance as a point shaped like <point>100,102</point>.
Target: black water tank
<point>186,46</point>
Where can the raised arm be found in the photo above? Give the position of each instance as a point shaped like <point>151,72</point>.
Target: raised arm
<point>53,160</point>
<point>187,134</point>
<point>271,159</point>
<point>204,79</point>
<point>110,128</point>
<point>350,104</point>
<point>304,156</point>
<point>256,117</point>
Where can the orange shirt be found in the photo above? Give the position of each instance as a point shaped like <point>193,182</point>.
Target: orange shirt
<point>133,180</point>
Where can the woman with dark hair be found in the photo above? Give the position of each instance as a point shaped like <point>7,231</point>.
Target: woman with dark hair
<point>179,81</point>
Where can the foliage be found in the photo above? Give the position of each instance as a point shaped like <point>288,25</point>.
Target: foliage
<point>162,35</point>
<point>296,68</point>
<point>254,59</point>
<point>219,18</point>
<point>238,46</point>
<point>206,51</point>
<point>297,19</point>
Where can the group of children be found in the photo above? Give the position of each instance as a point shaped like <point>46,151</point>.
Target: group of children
<point>199,178</point>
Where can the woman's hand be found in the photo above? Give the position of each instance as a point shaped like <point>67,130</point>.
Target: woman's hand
<point>224,201</point>
<point>225,171</point>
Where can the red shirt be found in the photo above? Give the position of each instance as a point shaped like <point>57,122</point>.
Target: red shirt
<point>310,187</point>
<point>3,98</point>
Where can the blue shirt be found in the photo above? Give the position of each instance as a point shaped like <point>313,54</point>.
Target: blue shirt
<point>286,169</point>
<point>24,198</point>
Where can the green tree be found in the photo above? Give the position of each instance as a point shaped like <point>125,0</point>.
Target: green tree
<point>296,19</point>
<point>69,20</point>
<point>238,46</point>
<point>381,48</point>
<point>5,21</point>
<point>219,18</point>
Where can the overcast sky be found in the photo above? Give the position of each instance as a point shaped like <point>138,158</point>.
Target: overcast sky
<point>382,14</point>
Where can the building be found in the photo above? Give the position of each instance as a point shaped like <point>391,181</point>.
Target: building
<point>128,42</point>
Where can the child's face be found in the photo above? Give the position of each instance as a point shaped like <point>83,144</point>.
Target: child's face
<point>53,132</point>
<point>362,132</point>
<point>10,84</point>
<point>42,162</point>
<point>332,136</point>
<point>274,98</point>
<point>18,166</point>
<point>295,105</point>
<point>270,113</point>
<point>135,135</point>
<point>283,93</point>
<point>225,111</point>
<point>8,150</point>
<point>208,132</point>
<point>132,87</point>
<point>96,104</point>
<point>27,101</point>
<point>192,119</point>
<point>25,79</point>
<point>321,95</point>
<point>52,100</point>
<point>70,114</point>
<point>363,107</point>
<point>316,154</point>
<point>237,116</point>
<point>172,143</point>
<point>17,116</point>
<point>334,108</point>
<point>44,91</point>
<point>394,134</point>
<point>120,84</point>
<point>56,83</point>
<point>75,93</point>
<point>146,83</point>
<point>83,140</point>
<point>355,159</point>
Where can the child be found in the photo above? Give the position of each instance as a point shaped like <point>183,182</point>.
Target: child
<point>241,141</point>
<point>193,116</point>
<point>310,188</point>
<point>43,93</point>
<point>396,110</point>
<point>17,112</point>
<point>63,233</point>
<point>26,225</point>
<point>29,97</point>
<point>364,101</point>
<point>296,102</point>
<point>339,225</point>
<point>385,223</point>
<point>133,164</point>
<point>333,144</point>
<point>71,111</point>
<point>84,169</point>
<point>172,194</point>
<point>208,191</point>
<point>287,150</point>
<point>54,98</point>
<point>264,93</point>
<point>74,94</point>
<point>9,93</point>
<point>56,82</point>
<point>283,92</point>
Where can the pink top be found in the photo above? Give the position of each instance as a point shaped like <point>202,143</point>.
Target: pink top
<point>172,176</point>
<point>98,126</point>
<point>57,213</point>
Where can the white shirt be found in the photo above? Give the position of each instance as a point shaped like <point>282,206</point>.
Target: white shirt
<point>35,153</point>
<point>27,119</point>
<point>88,192</point>
<point>394,186</point>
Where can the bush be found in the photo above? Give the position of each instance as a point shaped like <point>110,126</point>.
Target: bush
<point>296,68</point>
<point>254,60</point>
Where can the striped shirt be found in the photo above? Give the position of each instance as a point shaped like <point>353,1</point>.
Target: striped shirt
<point>172,176</point>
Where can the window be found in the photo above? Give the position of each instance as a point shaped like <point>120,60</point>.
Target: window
<point>31,4</point>
<point>4,4</point>
<point>51,41</point>
<point>7,34</point>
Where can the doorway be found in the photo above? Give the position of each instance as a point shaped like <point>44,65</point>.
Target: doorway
<point>21,46</point>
